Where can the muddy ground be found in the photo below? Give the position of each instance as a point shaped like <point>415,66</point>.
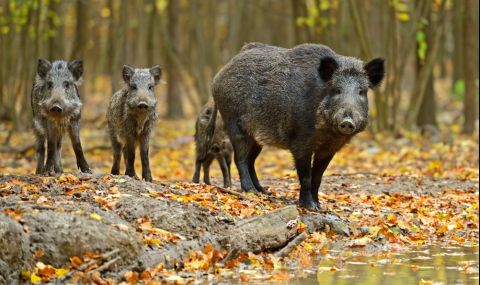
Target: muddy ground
<point>132,225</point>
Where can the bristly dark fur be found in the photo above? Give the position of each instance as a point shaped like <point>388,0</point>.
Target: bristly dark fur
<point>307,99</point>
<point>218,147</point>
<point>131,117</point>
<point>56,108</point>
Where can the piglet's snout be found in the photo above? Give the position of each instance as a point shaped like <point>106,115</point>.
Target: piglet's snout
<point>142,106</point>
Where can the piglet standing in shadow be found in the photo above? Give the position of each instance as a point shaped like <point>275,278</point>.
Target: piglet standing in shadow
<point>131,116</point>
<point>220,148</point>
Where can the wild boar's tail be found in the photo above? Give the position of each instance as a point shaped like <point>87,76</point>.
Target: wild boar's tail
<point>209,132</point>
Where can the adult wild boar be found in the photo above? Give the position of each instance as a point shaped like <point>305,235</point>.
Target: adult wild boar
<point>306,99</point>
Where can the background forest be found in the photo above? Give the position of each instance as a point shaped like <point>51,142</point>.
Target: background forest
<point>430,46</point>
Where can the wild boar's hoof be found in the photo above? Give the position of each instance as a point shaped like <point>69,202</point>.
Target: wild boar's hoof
<point>250,190</point>
<point>148,178</point>
<point>309,205</point>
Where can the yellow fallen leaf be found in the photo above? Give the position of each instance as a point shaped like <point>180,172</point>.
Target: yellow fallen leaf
<point>95,216</point>
<point>35,279</point>
<point>60,272</point>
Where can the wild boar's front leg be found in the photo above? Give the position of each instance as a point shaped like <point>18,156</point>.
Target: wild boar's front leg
<point>40,142</point>
<point>303,164</point>
<point>57,165</point>
<point>74,133</point>
<point>129,156</point>
<point>320,164</point>
<point>51,152</point>
<point>146,173</point>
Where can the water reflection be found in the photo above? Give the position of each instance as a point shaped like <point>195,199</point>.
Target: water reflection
<point>454,265</point>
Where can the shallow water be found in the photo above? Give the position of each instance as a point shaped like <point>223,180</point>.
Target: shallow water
<point>452,265</point>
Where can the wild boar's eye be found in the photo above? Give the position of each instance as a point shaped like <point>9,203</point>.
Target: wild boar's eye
<point>49,84</point>
<point>133,86</point>
<point>337,91</point>
<point>66,84</point>
<point>363,92</point>
<point>150,87</point>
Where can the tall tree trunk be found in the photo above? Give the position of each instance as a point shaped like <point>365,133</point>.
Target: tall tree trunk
<point>428,107</point>
<point>458,41</point>
<point>470,101</point>
<point>174,98</point>
<point>80,39</point>
<point>55,45</point>
<point>425,73</point>
<point>299,9</point>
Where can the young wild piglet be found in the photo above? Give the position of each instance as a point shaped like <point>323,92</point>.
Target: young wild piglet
<point>131,117</point>
<point>220,149</point>
<point>57,107</point>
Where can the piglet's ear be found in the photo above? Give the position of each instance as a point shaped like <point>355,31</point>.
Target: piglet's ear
<point>43,67</point>
<point>127,73</point>
<point>76,68</point>
<point>375,70</point>
<point>156,72</point>
<point>328,66</point>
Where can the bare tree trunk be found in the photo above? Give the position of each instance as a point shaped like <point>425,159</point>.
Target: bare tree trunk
<point>470,107</point>
<point>55,45</point>
<point>428,106</point>
<point>174,98</point>
<point>421,83</point>
<point>458,41</point>
<point>297,13</point>
<point>80,39</point>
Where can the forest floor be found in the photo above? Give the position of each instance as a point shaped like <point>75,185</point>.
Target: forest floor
<point>380,195</point>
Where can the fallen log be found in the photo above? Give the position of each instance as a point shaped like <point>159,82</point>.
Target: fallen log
<point>262,233</point>
<point>291,245</point>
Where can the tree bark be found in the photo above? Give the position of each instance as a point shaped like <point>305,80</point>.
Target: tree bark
<point>470,107</point>
<point>80,39</point>
<point>174,98</point>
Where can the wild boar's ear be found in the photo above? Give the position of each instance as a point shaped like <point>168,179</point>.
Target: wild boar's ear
<point>375,70</point>
<point>127,73</point>
<point>43,67</point>
<point>327,68</point>
<point>156,72</point>
<point>76,68</point>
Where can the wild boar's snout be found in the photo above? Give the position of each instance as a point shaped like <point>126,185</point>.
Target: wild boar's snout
<point>347,126</point>
<point>56,109</point>
<point>142,106</point>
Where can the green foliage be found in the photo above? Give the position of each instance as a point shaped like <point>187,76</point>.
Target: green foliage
<point>422,45</point>
<point>316,16</point>
<point>459,89</point>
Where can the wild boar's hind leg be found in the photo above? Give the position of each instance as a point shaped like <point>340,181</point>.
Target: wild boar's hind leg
<point>228,160</point>
<point>241,149</point>
<point>206,169</point>
<point>74,133</point>
<point>253,153</point>
<point>319,167</point>
<point>223,166</point>
<point>196,174</point>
